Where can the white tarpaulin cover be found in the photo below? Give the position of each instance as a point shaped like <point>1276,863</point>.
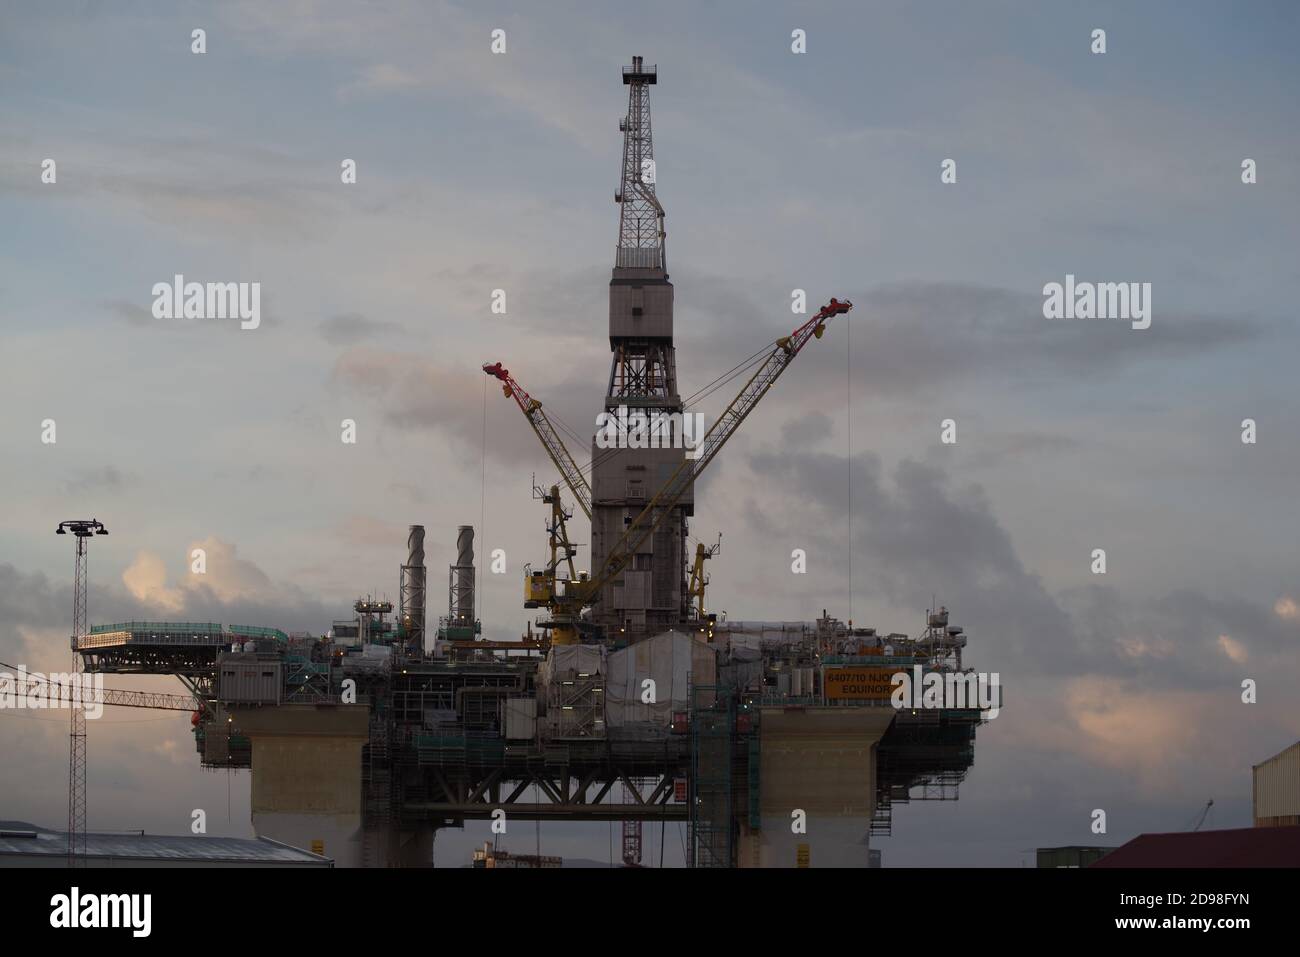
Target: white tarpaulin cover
<point>579,659</point>
<point>674,661</point>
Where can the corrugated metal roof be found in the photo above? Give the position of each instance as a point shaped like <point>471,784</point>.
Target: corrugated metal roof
<point>18,837</point>
<point>1281,754</point>
<point>1240,847</point>
<point>1276,785</point>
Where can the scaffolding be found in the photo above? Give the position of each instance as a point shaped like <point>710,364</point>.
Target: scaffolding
<point>713,828</point>
<point>924,756</point>
<point>377,785</point>
<point>575,706</point>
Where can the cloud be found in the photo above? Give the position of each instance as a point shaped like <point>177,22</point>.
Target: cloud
<point>367,532</point>
<point>106,478</point>
<point>1286,608</point>
<point>137,313</point>
<point>926,337</point>
<point>171,752</point>
<point>234,590</point>
<point>806,431</point>
<point>409,49</point>
<point>413,494</point>
<point>996,449</point>
<point>917,535</point>
<point>1146,648</point>
<point>1125,727</point>
<point>227,581</point>
<point>384,78</point>
<point>32,608</point>
<point>1000,334</point>
<point>146,580</point>
<point>1234,649</point>
<point>353,327</point>
<point>186,180</point>
<point>422,395</point>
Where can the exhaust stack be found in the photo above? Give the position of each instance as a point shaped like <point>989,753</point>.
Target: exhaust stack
<point>461,599</point>
<point>413,590</point>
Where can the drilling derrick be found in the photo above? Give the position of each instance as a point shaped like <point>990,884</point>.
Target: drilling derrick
<point>651,595</point>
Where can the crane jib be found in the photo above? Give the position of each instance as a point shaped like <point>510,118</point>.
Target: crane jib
<point>638,531</point>
<point>646,522</point>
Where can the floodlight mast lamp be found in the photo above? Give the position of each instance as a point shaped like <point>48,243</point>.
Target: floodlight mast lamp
<point>83,529</point>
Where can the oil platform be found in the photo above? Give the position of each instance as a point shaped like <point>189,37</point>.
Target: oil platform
<point>629,701</point>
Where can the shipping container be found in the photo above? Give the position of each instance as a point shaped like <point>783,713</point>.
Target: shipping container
<point>249,678</point>
<point>520,718</point>
<point>1070,856</point>
<point>1276,789</point>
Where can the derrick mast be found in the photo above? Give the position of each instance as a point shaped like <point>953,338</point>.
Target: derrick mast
<point>651,594</point>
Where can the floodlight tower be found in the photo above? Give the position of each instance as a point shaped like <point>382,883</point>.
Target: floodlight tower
<point>83,529</point>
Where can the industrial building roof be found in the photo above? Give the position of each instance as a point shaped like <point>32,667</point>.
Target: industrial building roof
<point>18,838</point>
<point>1240,847</point>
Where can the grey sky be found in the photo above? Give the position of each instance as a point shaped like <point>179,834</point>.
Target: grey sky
<point>777,171</point>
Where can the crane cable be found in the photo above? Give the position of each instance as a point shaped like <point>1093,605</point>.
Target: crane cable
<point>482,492</point>
<point>848,393</point>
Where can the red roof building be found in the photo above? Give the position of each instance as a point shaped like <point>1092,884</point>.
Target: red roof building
<point>1242,847</point>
